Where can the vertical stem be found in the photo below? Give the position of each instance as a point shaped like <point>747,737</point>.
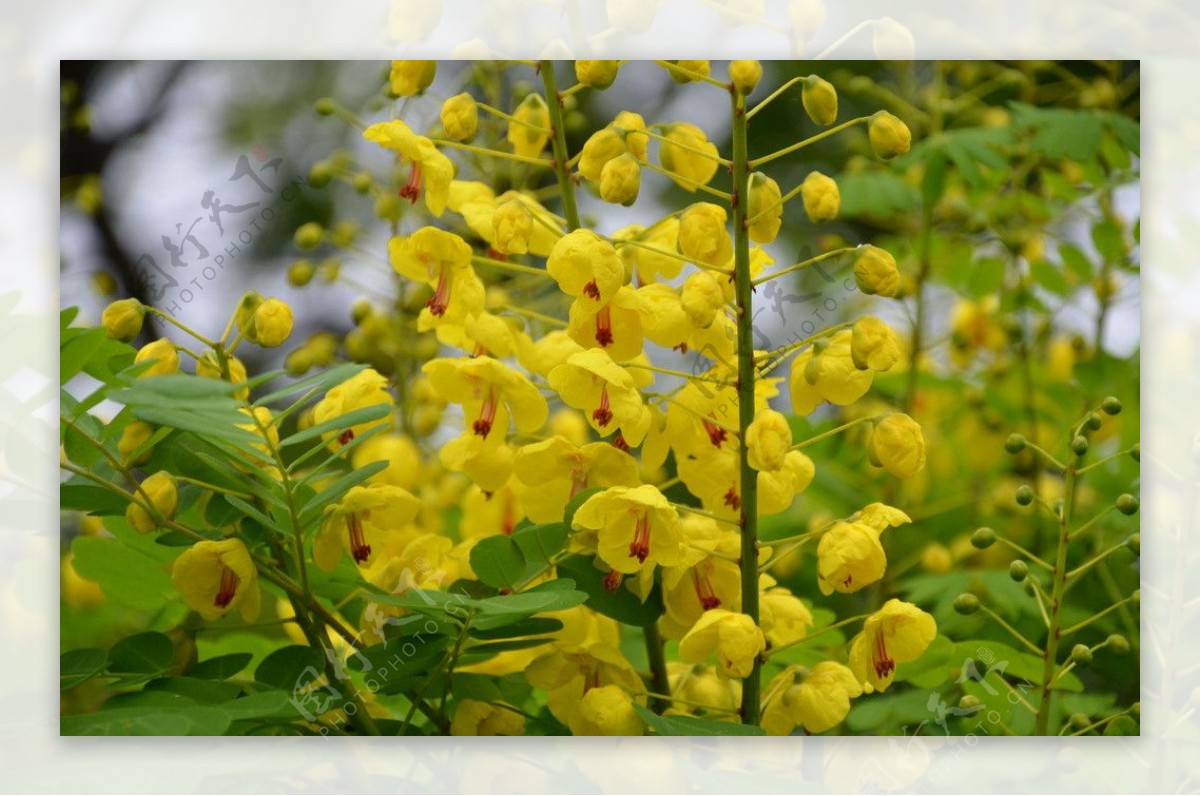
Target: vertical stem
<point>559,143</point>
<point>914,354</point>
<point>658,666</point>
<point>744,288</point>
<point>1056,595</point>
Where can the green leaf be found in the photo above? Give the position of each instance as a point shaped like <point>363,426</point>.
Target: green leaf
<point>154,721</point>
<point>509,608</point>
<point>933,667</point>
<point>1109,241</point>
<point>222,667</point>
<point>79,495</point>
<point>690,725</point>
<point>204,692</point>
<point>534,626</point>
<point>538,544</point>
<point>875,194</point>
<point>1075,261</point>
<point>144,653</point>
<point>339,423</point>
<point>320,382</point>
<point>285,667</point>
<point>1123,725</point>
<point>1059,132</point>
<point>313,508</point>
<point>575,502</point>
<point>498,561</point>
<point>622,605</point>
<point>131,570</point>
<point>1050,277</point>
<point>266,704</point>
<point>77,666</point>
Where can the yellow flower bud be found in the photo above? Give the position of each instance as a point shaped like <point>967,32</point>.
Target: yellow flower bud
<point>272,323</point>
<point>596,74</point>
<point>936,558</point>
<point>209,368</point>
<point>632,128</point>
<point>745,75</point>
<point>620,180</point>
<point>689,71</point>
<point>768,440</point>
<point>160,490</point>
<point>873,345</point>
<point>603,146</point>
<point>734,637</point>
<point>764,208</point>
<point>889,136</point>
<point>473,717</point>
<point>460,117</point>
<point>688,155</point>
<point>821,197</point>
<point>300,273</point>
<point>411,77</point>
<point>162,352</point>
<point>875,272</point>
<point>122,320</point>
<point>77,591</point>
<point>897,445</point>
<point>605,710</point>
<point>309,236</point>
<point>701,298</point>
<point>820,100</point>
<point>215,577</point>
<point>531,130</point>
<point>703,237</point>
<point>134,436</point>
<point>512,224</point>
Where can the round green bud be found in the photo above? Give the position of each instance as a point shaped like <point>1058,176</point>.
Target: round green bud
<point>1030,586</point>
<point>1015,443</point>
<point>1080,720</point>
<point>1024,495</point>
<point>320,173</point>
<point>1079,445</point>
<point>1081,654</point>
<point>1136,452</point>
<point>1135,544</point>
<point>969,702</point>
<point>1136,597</point>
<point>300,273</point>
<point>1127,504</point>
<point>308,236</point>
<point>1118,644</point>
<point>983,538</point>
<point>362,182</point>
<point>966,604</point>
<point>325,106</point>
<point>1093,422</point>
<point>298,362</point>
<point>360,310</point>
<point>1135,710</point>
<point>331,268</point>
<point>1018,570</point>
<point>1111,405</point>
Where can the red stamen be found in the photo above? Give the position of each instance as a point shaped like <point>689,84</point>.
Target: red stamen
<point>496,255</point>
<point>619,442</point>
<point>360,551</point>
<point>604,334</point>
<point>883,664</point>
<point>487,415</point>
<point>411,190</point>
<point>639,548</point>
<point>603,415</point>
<point>732,499</point>
<point>441,295</point>
<point>591,290</point>
<point>612,581</point>
<point>704,591</point>
<point>681,348</point>
<point>228,589</point>
<point>716,434</point>
<point>346,436</point>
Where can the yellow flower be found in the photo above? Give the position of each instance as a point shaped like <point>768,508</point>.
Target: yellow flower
<point>636,528</point>
<point>703,236</point>
<point>593,383</point>
<point>875,271</point>
<point>568,673</point>
<point>688,155</point>
<point>821,197</point>
<point>530,131</point>
<point>818,699</point>
<point>133,436</point>
<point>411,77</point>
<point>632,127</point>
<point>473,717</point>
<point>122,320</point>
<point>702,297</point>
<point>880,516</point>
<point>441,260</point>
<point>160,489</point>
<point>897,445</point>
<point>783,616</point>
<point>696,685</point>
<point>550,351</point>
<point>615,326</point>
<point>606,710</point>
<point>643,263</point>
<point>586,265</point>
<point>363,389</point>
<point>481,385</point>
<point>827,374</point>
<point>216,577</point>
<point>764,208</point>
<point>849,557</point>
<point>734,637</point>
<point>820,100</point>
<point>460,117</point>
<point>401,454</point>
<point>974,326</point>
<point>359,522</point>
<point>163,354</point>
<point>745,75</point>
<point>769,438</point>
<point>899,632</point>
<point>695,586</point>
<point>620,180</point>
<point>431,172</point>
<point>272,323</point>
<point>537,231</point>
<point>689,71</point>
<point>873,345</point>
<point>208,367</point>
<point>512,224</point>
<point>555,470</point>
<point>596,74</point>
<point>889,136</point>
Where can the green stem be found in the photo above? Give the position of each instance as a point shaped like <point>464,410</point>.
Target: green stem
<point>824,435</point>
<point>1054,632</point>
<point>815,633</point>
<point>658,666</point>
<point>804,264</point>
<point>1012,631</point>
<point>559,144</point>
<point>787,150</point>
<point>774,95</point>
<point>744,289</point>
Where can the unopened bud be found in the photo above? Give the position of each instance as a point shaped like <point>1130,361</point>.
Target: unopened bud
<point>983,538</point>
<point>1079,445</point>
<point>820,100</point>
<point>1135,544</point>
<point>1118,644</point>
<point>966,604</point>
<point>1081,654</point>
<point>1024,495</point>
<point>1018,570</point>
<point>1094,421</point>
<point>1015,443</point>
<point>1127,504</point>
<point>969,702</point>
<point>1111,405</point>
